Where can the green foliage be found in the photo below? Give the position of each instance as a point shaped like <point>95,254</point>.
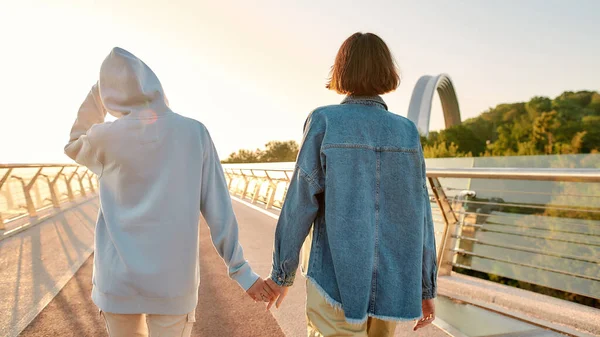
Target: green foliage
<point>440,150</point>
<point>280,151</point>
<point>276,151</point>
<point>568,124</point>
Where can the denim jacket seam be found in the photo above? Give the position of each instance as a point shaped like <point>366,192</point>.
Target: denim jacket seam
<point>369,147</point>
<point>310,179</point>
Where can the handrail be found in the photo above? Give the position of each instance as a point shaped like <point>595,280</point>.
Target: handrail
<point>5,166</point>
<point>538,174</point>
<point>571,175</point>
<point>258,169</point>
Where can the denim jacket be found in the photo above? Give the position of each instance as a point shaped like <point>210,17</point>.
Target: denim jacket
<point>360,181</point>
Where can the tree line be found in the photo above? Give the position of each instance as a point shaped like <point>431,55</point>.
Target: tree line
<point>275,151</point>
<point>567,124</point>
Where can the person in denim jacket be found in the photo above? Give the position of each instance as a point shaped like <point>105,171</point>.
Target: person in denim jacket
<point>360,184</point>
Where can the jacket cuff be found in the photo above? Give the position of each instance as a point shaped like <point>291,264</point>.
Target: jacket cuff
<point>429,294</point>
<point>282,279</point>
<point>245,278</point>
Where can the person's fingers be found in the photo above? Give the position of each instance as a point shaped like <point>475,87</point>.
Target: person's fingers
<point>270,303</point>
<point>281,298</point>
<point>424,322</point>
<point>272,285</point>
<point>268,291</point>
<point>274,288</point>
<point>420,323</point>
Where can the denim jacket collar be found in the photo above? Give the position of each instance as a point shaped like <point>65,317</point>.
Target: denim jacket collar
<point>376,101</point>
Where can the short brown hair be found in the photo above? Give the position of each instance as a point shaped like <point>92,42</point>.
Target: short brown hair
<point>364,66</point>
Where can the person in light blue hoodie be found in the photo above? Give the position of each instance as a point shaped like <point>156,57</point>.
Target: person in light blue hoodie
<point>157,171</point>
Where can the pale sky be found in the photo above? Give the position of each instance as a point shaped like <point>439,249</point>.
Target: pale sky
<point>251,71</point>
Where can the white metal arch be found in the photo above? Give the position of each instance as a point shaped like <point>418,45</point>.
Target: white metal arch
<point>419,109</point>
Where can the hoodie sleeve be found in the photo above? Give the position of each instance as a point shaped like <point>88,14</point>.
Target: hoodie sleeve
<point>85,133</point>
<point>215,205</point>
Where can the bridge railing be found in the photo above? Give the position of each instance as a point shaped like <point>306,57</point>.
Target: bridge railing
<point>26,189</point>
<point>540,227</point>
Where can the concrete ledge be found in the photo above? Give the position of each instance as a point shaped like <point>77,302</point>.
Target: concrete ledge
<point>559,315</point>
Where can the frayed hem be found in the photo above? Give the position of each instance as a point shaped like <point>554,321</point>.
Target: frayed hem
<point>328,299</point>
<point>355,321</point>
<point>361,321</point>
<point>395,319</point>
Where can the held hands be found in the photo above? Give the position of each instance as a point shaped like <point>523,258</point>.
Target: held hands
<point>279,291</point>
<point>267,291</point>
<point>428,314</point>
<point>259,291</point>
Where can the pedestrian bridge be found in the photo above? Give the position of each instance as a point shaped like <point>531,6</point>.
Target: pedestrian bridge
<point>496,228</point>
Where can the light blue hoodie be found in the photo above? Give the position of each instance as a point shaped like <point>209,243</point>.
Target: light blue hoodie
<point>158,170</point>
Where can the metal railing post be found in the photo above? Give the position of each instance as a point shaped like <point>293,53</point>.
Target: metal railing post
<point>270,191</point>
<point>91,181</point>
<point>252,178</point>
<point>257,190</point>
<point>27,192</point>
<point>27,189</point>
<point>69,190</point>
<point>2,181</point>
<point>73,174</point>
<point>446,254</point>
<point>38,194</point>
<point>81,188</point>
<point>270,198</point>
<point>230,179</point>
<point>5,177</point>
<point>68,183</point>
<point>52,187</point>
<point>246,184</point>
<point>9,197</point>
<point>54,195</point>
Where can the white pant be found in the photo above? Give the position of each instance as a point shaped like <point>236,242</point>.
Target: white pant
<point>142,325</point>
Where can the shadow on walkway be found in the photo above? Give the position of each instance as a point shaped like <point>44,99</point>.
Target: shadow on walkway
<point>37,262</point>
<point>223,308</point>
